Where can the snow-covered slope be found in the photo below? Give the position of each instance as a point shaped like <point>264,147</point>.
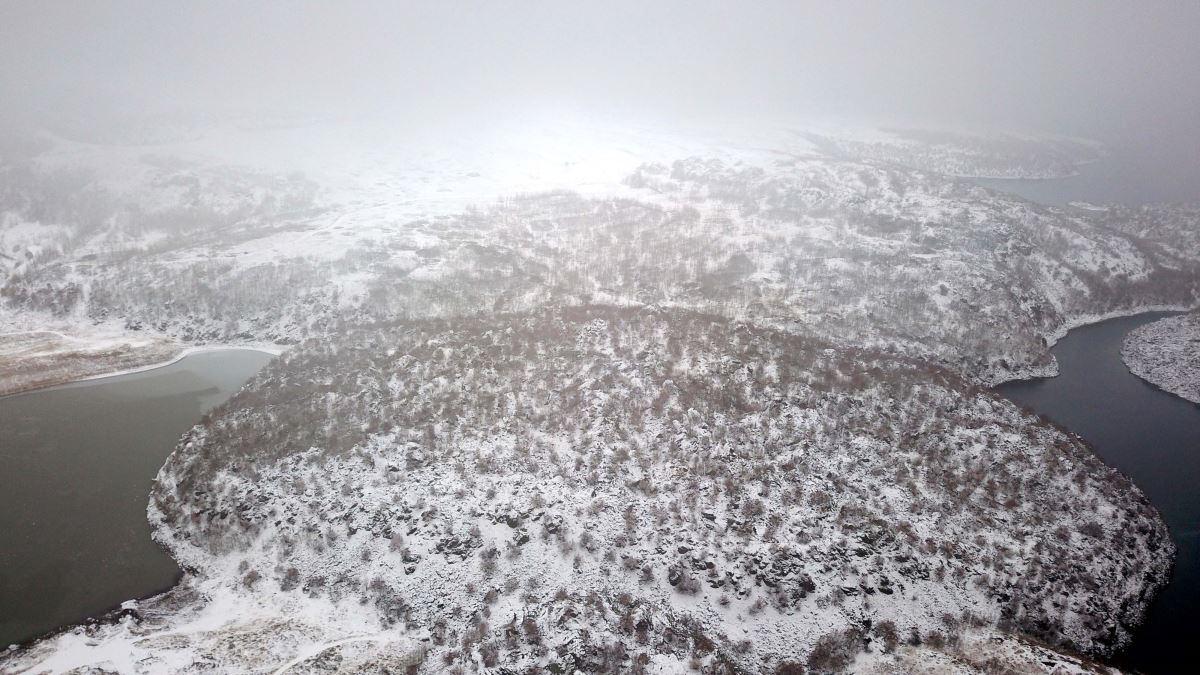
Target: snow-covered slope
<point>931,266</point>
<point>35,359</point>
<point>719,407</point>
<point>607,489</point>
<point>866,253</point>
<point>1166,353</point>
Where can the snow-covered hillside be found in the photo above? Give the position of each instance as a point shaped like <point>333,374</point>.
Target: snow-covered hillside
<point>615,490</point>
<point>1166,353</point>
<point>600,398</point>
<point>867,253</point>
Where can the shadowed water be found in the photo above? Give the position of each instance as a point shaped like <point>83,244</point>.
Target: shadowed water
<point>1154,438</point>
<point>76,465</point>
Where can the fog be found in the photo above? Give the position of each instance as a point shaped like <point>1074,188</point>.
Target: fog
<point>1124,72</point>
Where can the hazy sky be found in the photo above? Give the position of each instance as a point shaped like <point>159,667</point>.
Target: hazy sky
<point>1110,69</point>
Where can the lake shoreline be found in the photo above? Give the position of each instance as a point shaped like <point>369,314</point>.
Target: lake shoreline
<point>1028,373</point>
<point>264,347</point>
<point>88,453</point>
<point>111,615</point>
<point>1144,432</point>
<point>1162,354</point>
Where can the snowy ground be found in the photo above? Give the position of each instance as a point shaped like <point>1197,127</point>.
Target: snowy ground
<point>199,627</point>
